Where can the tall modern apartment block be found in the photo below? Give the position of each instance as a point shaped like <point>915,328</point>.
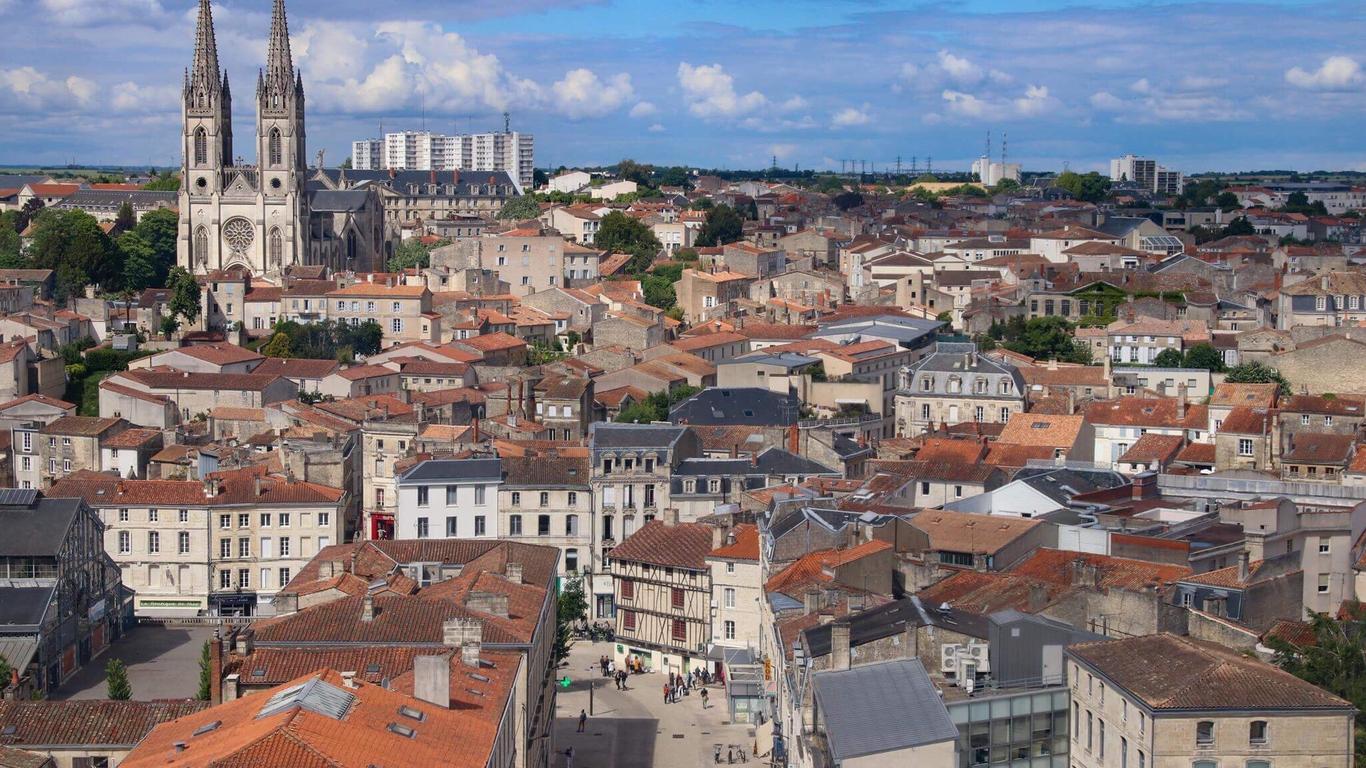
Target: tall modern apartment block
<point>426,151</point>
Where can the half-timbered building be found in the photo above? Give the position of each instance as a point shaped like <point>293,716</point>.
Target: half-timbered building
<point>663,594</point>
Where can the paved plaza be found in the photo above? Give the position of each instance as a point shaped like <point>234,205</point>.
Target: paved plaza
<point>162,661</point>
<point>635,728</point>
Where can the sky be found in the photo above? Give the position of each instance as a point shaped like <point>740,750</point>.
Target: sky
<point>1199,86</point>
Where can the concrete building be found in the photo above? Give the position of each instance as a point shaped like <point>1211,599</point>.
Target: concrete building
<point>1146,174</point>
<point>547,500</point>
<point>509,151</point>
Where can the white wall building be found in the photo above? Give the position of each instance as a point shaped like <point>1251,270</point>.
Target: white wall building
<point>449,499</point>
<point>426,151</point>
<point>367,154</point>
<point>990,173</point>
<point>1147,174</point>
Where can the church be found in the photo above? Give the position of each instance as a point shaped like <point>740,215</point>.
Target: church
<point>267,218</point>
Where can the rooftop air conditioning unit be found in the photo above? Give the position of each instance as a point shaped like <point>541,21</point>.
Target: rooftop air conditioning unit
<point>948,658</point>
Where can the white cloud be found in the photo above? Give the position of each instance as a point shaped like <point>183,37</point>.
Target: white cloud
<point>30,88</point>
<point>959,69</point>
<point>131,97</point>
<point>1337,73</point>
<point>1200,83</point>
<point>710,92</point>
<point>849,117</point>
<point>331,48</point>
<point>79,13</point>
<point>644,109</point>
<point>1035,101</point>
<point>793,104</point>
<point>1106,101</point>
<point>964,104</point>
<point>1157,104</point>
<point>581,93</point>
<point>655,128</point>
<point>1141,85</point>
<point>782,151</point>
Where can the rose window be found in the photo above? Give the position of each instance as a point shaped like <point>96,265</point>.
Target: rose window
<point>238,234</point>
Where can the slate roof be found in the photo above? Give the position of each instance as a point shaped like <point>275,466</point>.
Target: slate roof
<point>738,405</point>
<point>36,529</point>
<point>1199,675</point>
<point>967,532</point>
<point>883,707</point>
<point>603,435</point>
<point>437,470</point>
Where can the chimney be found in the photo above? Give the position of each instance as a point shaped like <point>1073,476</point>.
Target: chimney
<point>367,607</point>
<point>1181,401</point>
<point>1244,559</point>
<point>488,602</point>
<point>210,488</point>
<point>432,680</point>
<point>671,516</point>
<point>718,537</point>
<point>256,486</point>
<point>811,601</point>
<point>794,435</point>
<point>349,679</point>
<point>513,571</point>
<point>232,688</point>
<point>455,633</point>
<point>1071,401</point>
<point>327,569</point>
<point>839,645</point>
<point>245,642</point>
<point>215,668</point>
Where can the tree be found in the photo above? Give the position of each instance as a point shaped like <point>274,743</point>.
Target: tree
<point>1257,372</point>
<point>1204,356</point>
<point>125,219</point>
<point>1168,358</point>
<point>411,253</point>
<point>160,229</point>
<point>169,325</point>
<point>139,261</point>
<point>6,672</point>
<point>674,176</point>
<point>205,673</point>
<point>630,170</point>
<point>72,244</point>
<point>1005,185</point>
<point>638,413</point>
<point>619,233</point>
<point>184,294</point>
<point>1227,201</point>
<point>1334,660</point>
<point>116,680</point>
<point>723,225</point>
<point>27,213</point>
<point>1238,227</point>
<point>1046,338</point>
<point>278,346</point>
<point>520,209</point>
<point>10,244</point>
<point>165,182</point>
<point>572,606</point>
<point>847,200</point>
<point>1090,187</point>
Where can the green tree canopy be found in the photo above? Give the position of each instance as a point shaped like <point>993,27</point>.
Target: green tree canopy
<point>1335,660</point>
<point>10,256</point>
<point>1045,338</point>
<point>116,680</point>
<point>1205,356</point>
<point>847,200</point>
<point>205,674</point>
<point>125,219</point>
<point>139,261</point>
<point>723,225</point>
<point>72,244</point>
<point>630,170</point>
<point>159,228</point>
<point>1169,358</point>
<point>520,209</point>
<point>1257,372</point>
<point>619,233</point>
<point>412,253</point>
<point>165,182</point>
<point>185,294</point>
<point>1227,201</point>
<point>1090,187</point>
<point>278,346</point>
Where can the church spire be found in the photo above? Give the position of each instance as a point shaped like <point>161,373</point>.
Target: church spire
<point>279,62</point>
<point>205,47</point>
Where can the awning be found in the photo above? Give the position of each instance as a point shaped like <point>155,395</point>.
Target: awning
<point>763,739</point>
<point>18,651</point>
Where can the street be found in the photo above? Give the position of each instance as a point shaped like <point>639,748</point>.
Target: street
<point>635,728</point>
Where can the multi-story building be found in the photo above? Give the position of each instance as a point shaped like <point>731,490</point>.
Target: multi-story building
<point>367,154</point>
<point>508,151</point>
<point>546,499</point>
<point>1163,701</point>
<point>1332,298</point>
<point>264,529</point>
<point>564,404</point>
<point>157,531</point>
<point>449,499</point>
<point>64,602</point>
<point>404,312</point>
<point>1147,174</point>
<point>736,588</point>
<point>955,384</point>
<point>663,595</point>
<point>630,474</point>
<point>69,444</point>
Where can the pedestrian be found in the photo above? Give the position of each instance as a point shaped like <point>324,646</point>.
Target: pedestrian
<point>611,667</point>
<point>569,757</point>
<point>716,753</point>
<point>704,698</point>
<point>666,693</point>
<point>583,720</point>
<point>730,754</point>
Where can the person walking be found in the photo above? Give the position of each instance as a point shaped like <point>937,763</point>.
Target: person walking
<point>569,757</point>
<point>583,720</point>
<point>666,693</point>
<point>704,698</point>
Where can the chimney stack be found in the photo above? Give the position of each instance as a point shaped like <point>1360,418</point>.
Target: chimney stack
<point>367,607</point>
<point>671,516</point>
<point>718,537</point>
<point>811,601</point>
<point>1244,560</point>
<point>839,645</point>
<point>488,602</point>
<point>1181,401</point>
<point>432,680</point>
<point>215,668</point>
<point>513,571</point>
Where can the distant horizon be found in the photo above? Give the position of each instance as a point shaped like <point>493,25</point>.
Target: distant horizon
<point>1193,84</point>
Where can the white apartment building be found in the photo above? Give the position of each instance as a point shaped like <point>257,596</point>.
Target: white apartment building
<point>509,151</point>
<point>449,499</point>
<point>367,154</point>
<point>1147,174</point>
<point>990,172</point>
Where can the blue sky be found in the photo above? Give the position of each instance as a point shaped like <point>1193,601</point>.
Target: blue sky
<point>1200,86</point>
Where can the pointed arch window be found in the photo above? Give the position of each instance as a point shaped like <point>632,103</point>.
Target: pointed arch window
<point>276,156</point>
<point>201,244</point>
<point>201,146</point>
<point>277,247</point>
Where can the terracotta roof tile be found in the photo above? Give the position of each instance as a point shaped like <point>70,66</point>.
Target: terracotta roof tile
<point>89,722</point>
<point>745,547</point>
<point>685,545</point>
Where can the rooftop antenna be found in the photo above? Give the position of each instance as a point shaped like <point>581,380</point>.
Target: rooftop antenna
<point>507,123</point>
<point>929,164</point>
<point>1004,138</point>
<point>898,165</point>
<point>424,111</point>
<point>987,154</point>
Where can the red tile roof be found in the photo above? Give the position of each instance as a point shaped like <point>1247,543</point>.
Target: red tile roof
<point>745,546</point>
<point>91,722</point>
<point>685,545</point>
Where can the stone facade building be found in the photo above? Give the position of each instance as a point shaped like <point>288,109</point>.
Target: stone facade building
<point>954,384</point>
